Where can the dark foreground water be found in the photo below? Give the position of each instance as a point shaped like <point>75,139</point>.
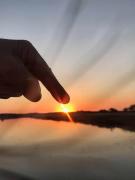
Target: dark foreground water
<point>31,149</point>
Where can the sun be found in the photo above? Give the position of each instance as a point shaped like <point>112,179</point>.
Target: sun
<point>65,108</point>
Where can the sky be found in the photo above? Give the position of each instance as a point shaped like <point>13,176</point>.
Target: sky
<point>89,45</point>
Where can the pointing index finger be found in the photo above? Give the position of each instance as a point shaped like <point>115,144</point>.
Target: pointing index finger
<point>55,88</point>
<point>39,68</point>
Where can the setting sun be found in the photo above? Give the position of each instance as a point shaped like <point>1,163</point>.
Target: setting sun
<point>65,108</point>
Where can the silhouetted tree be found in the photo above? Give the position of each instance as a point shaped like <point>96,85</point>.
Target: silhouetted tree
<point>113,110</point>
<point>130,108</point>
<point>103,110</point>
<point>125,110</point>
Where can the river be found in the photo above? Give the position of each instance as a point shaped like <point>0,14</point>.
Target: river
<point>31,149</point>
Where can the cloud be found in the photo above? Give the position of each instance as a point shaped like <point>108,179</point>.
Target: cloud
<point>65,27</point>
<point>95,55</point>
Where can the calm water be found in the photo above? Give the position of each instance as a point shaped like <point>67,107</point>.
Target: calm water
<point>58,150</point>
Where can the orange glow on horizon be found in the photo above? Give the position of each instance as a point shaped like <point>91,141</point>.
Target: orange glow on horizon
<point>65,108</point>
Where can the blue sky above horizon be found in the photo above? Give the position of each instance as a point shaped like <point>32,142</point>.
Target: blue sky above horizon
<point>89,44</point>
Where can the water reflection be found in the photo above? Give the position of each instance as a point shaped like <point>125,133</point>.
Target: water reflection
<point>60,150</point>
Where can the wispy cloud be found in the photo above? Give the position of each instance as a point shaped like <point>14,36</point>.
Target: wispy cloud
<point>95,54</point>
<point>64,28</point>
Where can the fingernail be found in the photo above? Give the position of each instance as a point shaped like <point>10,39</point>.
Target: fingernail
<point>65,99</point>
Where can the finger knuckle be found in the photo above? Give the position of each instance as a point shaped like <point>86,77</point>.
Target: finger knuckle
<point>25,43</point>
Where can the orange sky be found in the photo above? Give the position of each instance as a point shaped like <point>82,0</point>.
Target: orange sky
<point>79,101</point>
<point>92,57</point>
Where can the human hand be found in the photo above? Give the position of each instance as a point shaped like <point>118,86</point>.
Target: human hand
<point>21,69</point>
